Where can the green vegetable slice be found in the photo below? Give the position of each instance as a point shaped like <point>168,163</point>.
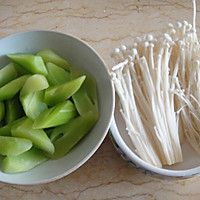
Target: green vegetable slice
<point>34,83</point>
<point>7,74</point>
<point>38,137</point>
<point>14,109</point>
<point>32,95</point>
<point>56,115</point>
<point>58,93</point>
<point>86,98</point>
<point>34,64</point>
<point>9,90</point>
<point>50,56</point>
<point>56,75</point>
<point>13,146</point>
<point>23,162</point>
<point>33,104</point>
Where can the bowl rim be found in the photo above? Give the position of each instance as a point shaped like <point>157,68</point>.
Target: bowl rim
<point>104,132</point>
<point>144,165</point>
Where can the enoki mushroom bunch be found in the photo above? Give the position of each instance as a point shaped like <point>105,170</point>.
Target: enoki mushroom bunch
<point>158,84</point>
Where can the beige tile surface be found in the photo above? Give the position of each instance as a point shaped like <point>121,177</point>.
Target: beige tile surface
<point>104,25</point>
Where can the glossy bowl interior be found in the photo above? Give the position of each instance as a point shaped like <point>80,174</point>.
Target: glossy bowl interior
<point>80,55</point>
<point>188,168</point>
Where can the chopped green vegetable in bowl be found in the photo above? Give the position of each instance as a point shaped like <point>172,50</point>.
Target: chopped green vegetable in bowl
<point>53,89</point>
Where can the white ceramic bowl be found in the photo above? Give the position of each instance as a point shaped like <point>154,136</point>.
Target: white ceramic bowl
<point>78,54</point>
<point>188,168</point>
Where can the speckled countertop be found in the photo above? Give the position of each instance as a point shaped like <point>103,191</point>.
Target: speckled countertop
<point>104,25</point>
